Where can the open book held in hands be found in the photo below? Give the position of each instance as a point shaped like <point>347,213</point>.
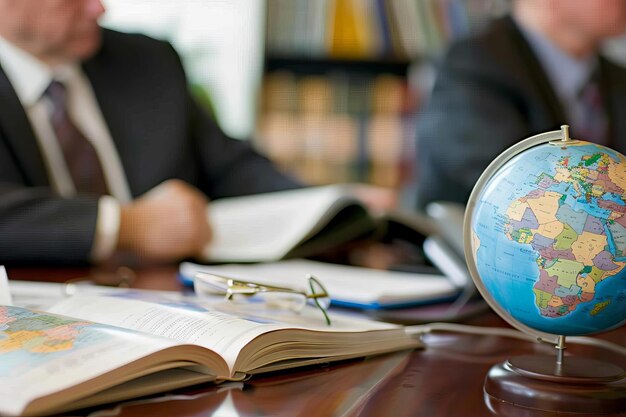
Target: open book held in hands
<point>90,350</point>
<point>297,223</point>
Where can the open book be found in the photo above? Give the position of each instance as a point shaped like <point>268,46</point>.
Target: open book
<point>295,223</point>
<point>89,350</point>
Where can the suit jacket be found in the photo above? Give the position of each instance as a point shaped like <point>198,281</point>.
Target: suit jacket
<point>491,91</point>
<point>159,132</point>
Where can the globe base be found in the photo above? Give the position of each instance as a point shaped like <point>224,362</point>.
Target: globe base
<point>536,382</point>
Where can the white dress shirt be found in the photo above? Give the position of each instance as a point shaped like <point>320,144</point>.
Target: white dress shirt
<point>30,78</point>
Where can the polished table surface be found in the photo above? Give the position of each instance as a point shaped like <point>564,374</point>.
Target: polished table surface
<point>444,379</point>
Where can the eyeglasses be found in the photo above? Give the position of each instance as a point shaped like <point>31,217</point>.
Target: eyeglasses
<point>273,296</point>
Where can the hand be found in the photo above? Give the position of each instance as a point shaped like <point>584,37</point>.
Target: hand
<point>377,199</point>
<point>167,223</point>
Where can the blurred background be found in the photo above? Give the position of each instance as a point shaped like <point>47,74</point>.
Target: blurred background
<point>329,89</point>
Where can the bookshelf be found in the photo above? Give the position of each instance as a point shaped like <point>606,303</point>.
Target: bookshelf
<point>338,103</point>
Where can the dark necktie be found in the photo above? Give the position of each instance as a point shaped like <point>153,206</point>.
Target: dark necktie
<point>80,156</point>
<point>593,125</point>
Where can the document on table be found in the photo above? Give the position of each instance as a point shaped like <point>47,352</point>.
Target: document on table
<point>348,286</point>
<point>5,294</point>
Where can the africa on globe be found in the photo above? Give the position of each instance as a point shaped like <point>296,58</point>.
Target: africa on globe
<point>547,234</point>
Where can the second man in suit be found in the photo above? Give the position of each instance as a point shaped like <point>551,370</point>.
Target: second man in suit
<point>527,73</point>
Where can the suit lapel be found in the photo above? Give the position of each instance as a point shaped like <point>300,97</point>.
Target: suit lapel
<point>114,107</point>
<point>99,76</point>
<point>16,128</point>
<point>538,77</point>
<point>613,91</point>
<point>123,96</point>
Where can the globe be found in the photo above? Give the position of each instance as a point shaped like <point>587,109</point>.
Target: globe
<point>545,233</point>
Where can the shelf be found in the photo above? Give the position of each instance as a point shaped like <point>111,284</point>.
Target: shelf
<point>314,65</point>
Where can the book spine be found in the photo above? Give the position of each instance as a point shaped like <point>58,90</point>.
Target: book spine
<point>386,42</point>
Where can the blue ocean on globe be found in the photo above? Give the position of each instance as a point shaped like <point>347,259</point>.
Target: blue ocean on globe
<point>549,238</point>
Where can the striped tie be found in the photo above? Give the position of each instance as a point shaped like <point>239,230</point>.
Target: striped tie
<point>80,156</point>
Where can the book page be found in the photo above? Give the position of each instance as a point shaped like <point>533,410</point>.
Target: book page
<point>267,226</point>
<point>42,353</point>
<point>222,333</point>
<point>231,329</point>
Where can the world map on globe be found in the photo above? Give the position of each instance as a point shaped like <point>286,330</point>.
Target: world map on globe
<point>549,238</point>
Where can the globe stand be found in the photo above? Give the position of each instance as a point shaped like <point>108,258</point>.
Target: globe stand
<point>575,385</point>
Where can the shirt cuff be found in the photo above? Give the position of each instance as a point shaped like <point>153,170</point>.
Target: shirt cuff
<point>107,229</point>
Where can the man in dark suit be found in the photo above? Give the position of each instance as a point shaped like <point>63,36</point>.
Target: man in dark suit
<point>525,74</point>
<point>102,148</point>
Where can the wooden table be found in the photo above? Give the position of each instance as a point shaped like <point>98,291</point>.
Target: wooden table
<point>445,379</point>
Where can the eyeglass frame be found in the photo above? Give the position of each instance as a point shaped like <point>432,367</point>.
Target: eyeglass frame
<point>248,288</point>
